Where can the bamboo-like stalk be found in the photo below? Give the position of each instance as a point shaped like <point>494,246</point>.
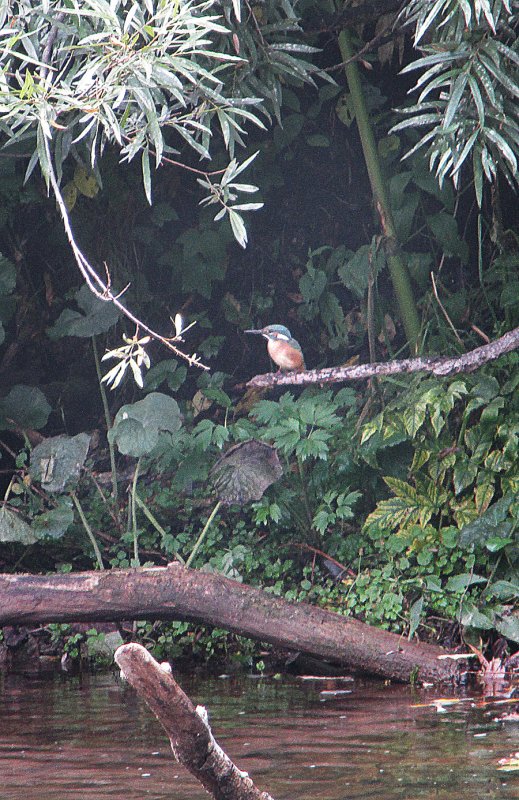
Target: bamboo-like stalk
<point>201,538</point>
<point>154,521</point>
<point>397,268</point>
<point>108,422</point>
<point>88,530</point>
<point>133,516</point>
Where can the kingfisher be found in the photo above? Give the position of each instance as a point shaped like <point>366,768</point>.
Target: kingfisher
<point>282,348</point>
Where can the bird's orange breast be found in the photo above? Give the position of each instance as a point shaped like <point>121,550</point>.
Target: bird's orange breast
<point>284,355</point>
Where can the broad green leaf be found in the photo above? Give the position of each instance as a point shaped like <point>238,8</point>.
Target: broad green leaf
<point>24,407</point>
<point>169,372</point>
<point>504,590</point>
<point>458,583</point>
<point>414,417</point>
<point>465,472</point>
<point>493,522</point>
<point>132,438</point>
<point>85,182</point>
<point>95,316</point>
<point>496,543</point>
<point>483,495</point>
<point>53,524</point>
<point>56,463</point>
<point>509,627</point>
<point>445,229</point>
<point>14,529</point>
<point>471,617</point>
<point>415,615</point>
<point>7,275</point>
<point>137,426</point>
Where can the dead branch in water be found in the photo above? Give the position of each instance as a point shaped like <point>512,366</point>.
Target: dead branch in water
<point>192,742</point>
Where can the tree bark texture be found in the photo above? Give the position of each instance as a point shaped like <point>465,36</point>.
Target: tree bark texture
<point>189,733</point>
<point>177,593</point>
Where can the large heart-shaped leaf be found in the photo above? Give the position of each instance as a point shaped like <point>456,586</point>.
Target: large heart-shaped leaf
<point>137,426</point>
<point>25,407</point>
<point>245,472</point>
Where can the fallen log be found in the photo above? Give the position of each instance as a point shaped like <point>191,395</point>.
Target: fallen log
<point>178,593</point>
<point>192,742</point>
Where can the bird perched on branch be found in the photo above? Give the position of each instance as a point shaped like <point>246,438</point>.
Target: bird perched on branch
<point>282,348</point>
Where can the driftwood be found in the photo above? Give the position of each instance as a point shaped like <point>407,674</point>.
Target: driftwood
<point>177,593</point>
<point>191,739</point>
<point>467,362</point>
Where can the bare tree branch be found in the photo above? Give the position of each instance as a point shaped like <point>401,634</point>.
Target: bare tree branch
<point>192,742</point>
<point>102,288</point>
<point>467,362</point>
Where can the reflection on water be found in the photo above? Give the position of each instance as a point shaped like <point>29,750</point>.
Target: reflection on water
<point>90,738</point>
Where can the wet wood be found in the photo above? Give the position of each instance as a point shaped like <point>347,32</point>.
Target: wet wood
<point>177,593</point>
<point>192,741</point>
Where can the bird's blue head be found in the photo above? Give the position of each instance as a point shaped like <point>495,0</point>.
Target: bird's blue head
<point>275,332</point>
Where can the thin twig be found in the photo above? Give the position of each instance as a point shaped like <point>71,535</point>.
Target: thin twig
<point>97,286</point>
<point>45,59</point>
<point>108,422</point>
<point>444,311</point>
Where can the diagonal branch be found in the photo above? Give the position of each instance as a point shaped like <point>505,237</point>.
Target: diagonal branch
<point>192,741</point>
<point>435,365</point>
<point>96,284</point>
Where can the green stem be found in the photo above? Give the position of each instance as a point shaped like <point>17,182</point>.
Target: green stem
<point>156,524</point>
<point>134,515</point>
<point>304,494</point>
<point>397,268</point>
<point>88,529</point>
<point>202,535</point>
<point>108,420</point>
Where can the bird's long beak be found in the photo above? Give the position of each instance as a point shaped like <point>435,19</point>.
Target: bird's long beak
<point>259,332</point>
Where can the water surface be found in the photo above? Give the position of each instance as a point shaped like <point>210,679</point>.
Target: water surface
<point>90,738</point>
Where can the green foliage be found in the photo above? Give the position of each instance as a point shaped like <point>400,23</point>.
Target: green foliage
<point>302,428</point>
<point>25,407</point>
<point>411,485</point>
<point>92,645</point>
<point>94,317</point>
<point>137,427</point>
<point>468,88</point>
<point>462,491</point>
<point>57,461</point>
<point>150,79</point>
<point>7,285</point>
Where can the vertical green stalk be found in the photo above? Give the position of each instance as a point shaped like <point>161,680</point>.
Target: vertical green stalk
<point>108,420</point>
<point>304,494</point>
<point>156,524</point>
<point>397,268</point>
<point>88,530</point>
<point>202,535</point>
<point>134,514</point>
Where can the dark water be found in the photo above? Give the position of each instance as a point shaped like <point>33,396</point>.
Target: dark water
<point>90,737</point>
